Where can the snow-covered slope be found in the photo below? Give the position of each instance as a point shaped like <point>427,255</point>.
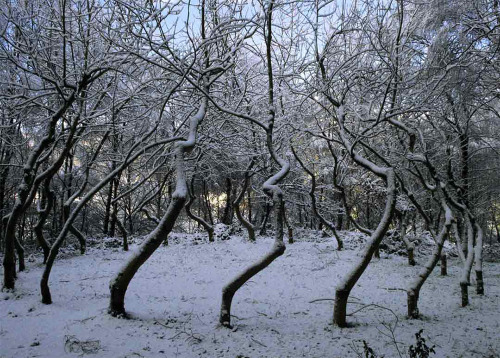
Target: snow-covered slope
<point>174,302</point>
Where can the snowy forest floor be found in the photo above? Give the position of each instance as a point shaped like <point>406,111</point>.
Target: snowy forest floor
<point>174,303</point>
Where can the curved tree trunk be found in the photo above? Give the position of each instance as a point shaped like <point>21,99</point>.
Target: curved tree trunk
<point>208,228</point>
<point>118,286</point>
<point>26,190</point>
<point>312,195</point>
<point>276,251</point>
<point>271,189</point>
<point>44,282</point>
<point>46,204</point>
<point>413,291</point>
<point>246,223</point>
<point>343,290</point>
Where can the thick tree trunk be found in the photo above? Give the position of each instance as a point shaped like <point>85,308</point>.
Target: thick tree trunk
<point>276,251</point>
<point>29,187</point>
<point>118,286</point>
<point>44,282</point>
<point>271,189</point>
<point>343,290</point>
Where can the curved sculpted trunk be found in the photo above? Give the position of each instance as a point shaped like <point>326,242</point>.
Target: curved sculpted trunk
<point>30,183</point>
<point>343,290</point>
<point>276,251</point>
<point>44,282</point>
<point>271,189</point>
<point>118,286</point>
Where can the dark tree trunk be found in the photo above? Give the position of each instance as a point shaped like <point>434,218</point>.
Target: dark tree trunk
<point>46,203</point>
<point>107,209</point>
<point>263,225</point>
<point>227,217</point>
<point>444,266</point>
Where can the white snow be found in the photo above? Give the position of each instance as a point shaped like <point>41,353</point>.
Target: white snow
<point>174,301</point>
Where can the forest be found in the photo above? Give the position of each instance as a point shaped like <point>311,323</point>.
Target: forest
<point>250,178</point>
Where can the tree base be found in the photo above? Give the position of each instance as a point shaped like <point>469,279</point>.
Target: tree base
<point>118,313</point>
<point>340,308</point>
<point>412,302</point>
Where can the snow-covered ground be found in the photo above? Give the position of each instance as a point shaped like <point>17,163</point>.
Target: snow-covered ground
<point>174,302</point>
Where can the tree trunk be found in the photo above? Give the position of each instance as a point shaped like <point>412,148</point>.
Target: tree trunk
<point>46,204</point>
<point>444,265</point>
<point>343,290</point>
<point>276,251</point>
<point>118,286</point>
<point>124,233</point>
<point>208,228</point>
<point>466,270</point>
<point>478,253</point>
<point>227,217</point>
<point>414,289</point>
<point>246,223</point>
<point>131,156</point>
<point>107,209</point>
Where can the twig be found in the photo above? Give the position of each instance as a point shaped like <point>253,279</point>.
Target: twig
<point>322,299</point>
<point>256,341</point>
